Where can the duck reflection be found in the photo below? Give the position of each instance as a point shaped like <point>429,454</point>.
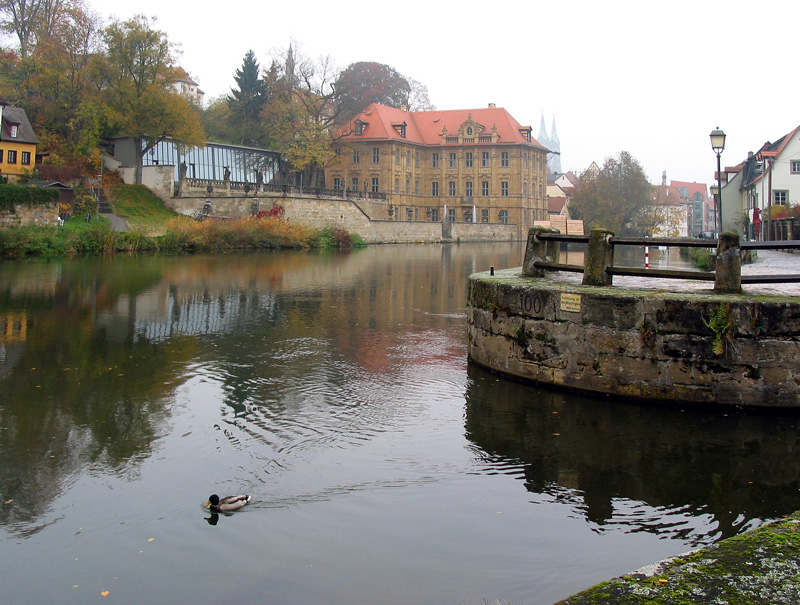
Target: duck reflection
<point>606,458</point>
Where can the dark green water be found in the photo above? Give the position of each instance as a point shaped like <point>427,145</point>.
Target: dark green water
<point>336,391</point>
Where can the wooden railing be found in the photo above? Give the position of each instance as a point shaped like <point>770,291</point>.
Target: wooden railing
<point>543,252</point>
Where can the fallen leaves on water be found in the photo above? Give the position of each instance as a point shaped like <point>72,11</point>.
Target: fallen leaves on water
<point>105,593</point>
<point>151,539</point>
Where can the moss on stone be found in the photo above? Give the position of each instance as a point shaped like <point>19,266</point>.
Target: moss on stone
<point>760,566</point>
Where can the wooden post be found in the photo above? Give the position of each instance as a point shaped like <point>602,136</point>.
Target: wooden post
<point>728,276</point>
<point>539,250</point>
<point>599,257</point>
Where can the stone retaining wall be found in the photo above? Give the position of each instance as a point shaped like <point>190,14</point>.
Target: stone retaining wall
<point>323,212</point>
<point>44,214</point>
<point>644,345</point>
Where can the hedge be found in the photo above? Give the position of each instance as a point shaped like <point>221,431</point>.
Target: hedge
<point>11,195</point>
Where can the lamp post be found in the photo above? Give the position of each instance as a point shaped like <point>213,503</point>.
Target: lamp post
<point>714,189</point>
<point>718,145</point>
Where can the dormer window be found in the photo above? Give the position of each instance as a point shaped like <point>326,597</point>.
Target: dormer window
<point>13,130</point>
<point>470,132</point>
<point>401,129</point>
<point>360,126</point>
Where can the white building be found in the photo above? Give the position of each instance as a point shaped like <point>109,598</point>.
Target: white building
<point>769,177</point>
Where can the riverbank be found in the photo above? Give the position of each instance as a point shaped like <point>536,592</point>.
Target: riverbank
<point>180,235</point>
<point>760,566</point>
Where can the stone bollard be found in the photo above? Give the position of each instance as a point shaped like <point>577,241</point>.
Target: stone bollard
<point>728,276</point>
<point>539,250</point>
<point>599,257</point>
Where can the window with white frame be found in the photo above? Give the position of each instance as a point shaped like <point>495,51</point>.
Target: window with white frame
<point>485,188</point>
<point>504,159</point>
<point>354,183</point>
<point>356,156</point>
<point>11,157</point>
<point>504,188</point>
<point>25,158</point>
<point>435,215</point>
<point>468,188</point>
<point>396,156</point>
<point>453,162</point>
<point>795,166</point>
<point>435,188</point>
<point>485,159</point>
<point>376,155</point>
<point>502,216</point>
<point>778,197</point>
<point>468,159</point>
<point>397,185</point>
<point>337,183</point>
<point>484,215</point>
<point>435,160</point>
<point>451,188</point>
<point>375,187</point>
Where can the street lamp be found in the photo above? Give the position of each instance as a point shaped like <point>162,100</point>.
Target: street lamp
<point>718,145</point>
<point>714,189</point>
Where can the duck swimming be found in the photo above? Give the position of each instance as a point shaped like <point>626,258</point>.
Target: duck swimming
<point>226,504</point>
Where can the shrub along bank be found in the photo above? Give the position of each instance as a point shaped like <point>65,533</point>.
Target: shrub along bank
<point>179,235</point>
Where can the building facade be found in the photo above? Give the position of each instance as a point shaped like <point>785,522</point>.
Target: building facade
<point>476,165</point>
<point>17,142</point>
<point>767,179</point>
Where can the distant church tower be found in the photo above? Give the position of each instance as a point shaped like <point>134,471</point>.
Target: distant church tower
<point>553,144</point>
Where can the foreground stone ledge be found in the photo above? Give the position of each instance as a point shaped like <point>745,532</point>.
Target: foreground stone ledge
<point>639,344</point>
<point>760,566</point>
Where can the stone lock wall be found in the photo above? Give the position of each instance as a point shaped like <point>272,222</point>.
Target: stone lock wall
<point>642,345</point>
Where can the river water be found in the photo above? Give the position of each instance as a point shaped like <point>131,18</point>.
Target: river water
<point>335,390</point>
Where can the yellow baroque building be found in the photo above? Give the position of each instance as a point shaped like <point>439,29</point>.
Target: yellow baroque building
<point>476,165</point>
<point>17,142</point>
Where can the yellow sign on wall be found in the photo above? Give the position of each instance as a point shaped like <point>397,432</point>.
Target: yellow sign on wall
<point>571,303</point>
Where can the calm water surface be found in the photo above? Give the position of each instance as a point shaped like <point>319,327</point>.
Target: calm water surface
<point>336,391</point>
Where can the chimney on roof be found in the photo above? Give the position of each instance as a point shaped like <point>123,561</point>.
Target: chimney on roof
<point>492,106</point>
<point>664,178</point>
<point>404,108</point>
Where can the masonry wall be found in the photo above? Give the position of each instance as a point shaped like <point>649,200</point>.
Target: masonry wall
<point>348,215</point>
<point>655,346</point>
<point>46,214</point>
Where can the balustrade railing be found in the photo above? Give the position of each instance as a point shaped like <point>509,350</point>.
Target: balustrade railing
<point>543,254</point>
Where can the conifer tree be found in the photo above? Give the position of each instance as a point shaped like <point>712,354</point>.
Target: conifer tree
<point>247,100</point>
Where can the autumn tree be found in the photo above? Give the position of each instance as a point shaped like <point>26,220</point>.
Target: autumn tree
<point>247,100</point>
<point>614,198</point>
<point>21,18</point>
<point>135,75</point>
<point>664,216</point>
<point>366,82</point>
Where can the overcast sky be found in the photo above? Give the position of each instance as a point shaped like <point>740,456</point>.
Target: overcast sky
<point>653,79</point>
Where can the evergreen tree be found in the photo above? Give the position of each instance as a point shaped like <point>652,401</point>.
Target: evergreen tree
<point>247,100</point>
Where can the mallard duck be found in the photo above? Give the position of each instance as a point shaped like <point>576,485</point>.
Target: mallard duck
<point>226,504</point>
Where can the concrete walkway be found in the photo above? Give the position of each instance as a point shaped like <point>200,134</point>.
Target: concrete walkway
<point>117,223</point>
<point>768,262</point>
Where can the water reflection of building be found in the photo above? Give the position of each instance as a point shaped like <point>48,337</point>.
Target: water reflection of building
<point>604,457</point>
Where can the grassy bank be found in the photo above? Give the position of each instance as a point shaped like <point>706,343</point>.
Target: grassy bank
<point>180,235</point>
<point>153,228</point>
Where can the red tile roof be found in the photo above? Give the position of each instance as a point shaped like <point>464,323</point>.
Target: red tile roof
<point>428,127</point>
<point>555,205</point>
